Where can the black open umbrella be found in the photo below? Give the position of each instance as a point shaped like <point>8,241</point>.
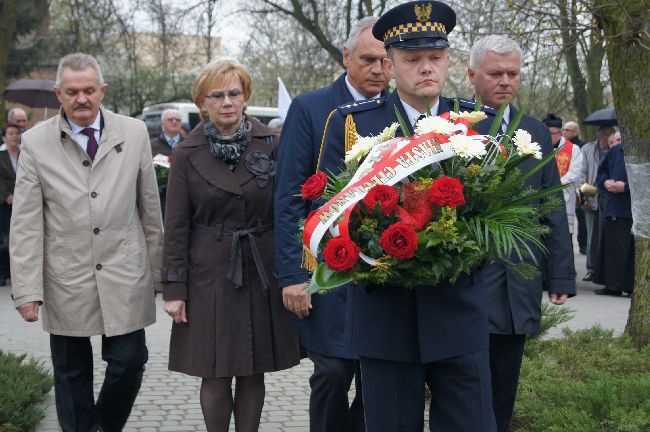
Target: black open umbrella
<point>33,93</point>
<point>602,117</point>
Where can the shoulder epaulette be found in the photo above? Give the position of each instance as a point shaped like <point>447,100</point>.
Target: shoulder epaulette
<point>470,105</point>
<point>364,105</point>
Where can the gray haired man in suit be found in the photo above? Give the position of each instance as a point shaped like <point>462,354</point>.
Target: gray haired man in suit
<point>86,244</point>
<point>514,304</point>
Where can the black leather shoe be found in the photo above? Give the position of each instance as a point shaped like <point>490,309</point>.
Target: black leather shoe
<point>607,291</point>
<point>588,277</point>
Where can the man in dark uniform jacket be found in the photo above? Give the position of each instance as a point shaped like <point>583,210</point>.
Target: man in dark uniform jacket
<point>513,303</point>
<point>431,334</point>
<point>320,320</point>
<point>170,119</point>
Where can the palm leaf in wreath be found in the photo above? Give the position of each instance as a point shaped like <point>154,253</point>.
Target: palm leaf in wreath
<point>507,232</point>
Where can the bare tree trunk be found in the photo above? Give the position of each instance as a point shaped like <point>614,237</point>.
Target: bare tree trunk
<point>628,51</point>
<point>7,30</point>
<point>570,42</point>
<point>210,23</point>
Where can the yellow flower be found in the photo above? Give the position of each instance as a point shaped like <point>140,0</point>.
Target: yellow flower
<point>473,170</point>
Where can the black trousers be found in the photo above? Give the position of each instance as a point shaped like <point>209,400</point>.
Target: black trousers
<point>506,352</point>
<point>393,394</point>
<point>582,227</point>
<point>72,358</point>
<point>329,409</point>
<point>5,218</point>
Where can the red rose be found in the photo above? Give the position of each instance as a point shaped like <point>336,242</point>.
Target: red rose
<point>341,253</point>
<point>386,196</point>
<point>399,240</point>
<point>446,191</point>
<point>314,187</point>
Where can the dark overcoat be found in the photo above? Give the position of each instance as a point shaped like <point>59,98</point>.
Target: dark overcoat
<point>159,145</point>
<point>514,304</point>
<point>7,184</point>
<point>418,325</point>
<point>7,176</point>
<point>322,330</point>
<point>219,223</point>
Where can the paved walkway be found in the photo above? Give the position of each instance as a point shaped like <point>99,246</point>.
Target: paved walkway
<point>169,401</point>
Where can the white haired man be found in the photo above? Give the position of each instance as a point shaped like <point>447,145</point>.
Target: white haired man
<point>514,305</point>
<point>593,153</point>
<point>319,320</point>
<point>18,116</point>
<point>170,119</point>
<point>86,238</point>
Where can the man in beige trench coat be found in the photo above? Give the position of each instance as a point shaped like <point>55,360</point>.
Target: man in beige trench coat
<point>86,237</point>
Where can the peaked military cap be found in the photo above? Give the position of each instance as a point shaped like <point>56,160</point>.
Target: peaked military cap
<point>551,120</point>
<point>416,25</point>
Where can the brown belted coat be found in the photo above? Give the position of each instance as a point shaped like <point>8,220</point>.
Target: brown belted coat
<point>218,257</point>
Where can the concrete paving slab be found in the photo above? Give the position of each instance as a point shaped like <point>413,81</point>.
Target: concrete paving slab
<point>168,401</point>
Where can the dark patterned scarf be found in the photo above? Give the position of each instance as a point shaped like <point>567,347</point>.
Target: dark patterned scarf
<point>228,148</point>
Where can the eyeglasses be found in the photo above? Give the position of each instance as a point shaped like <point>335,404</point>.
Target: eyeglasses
<point>220,96</point>
<point>173,119</point>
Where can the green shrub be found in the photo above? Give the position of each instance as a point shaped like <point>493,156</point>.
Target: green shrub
<point>23,383</point>
<point>552,316</point>
<point>586,381</point>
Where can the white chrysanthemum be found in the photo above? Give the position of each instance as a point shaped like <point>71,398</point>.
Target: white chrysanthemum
<point>523,141</point>
<point>388,133</point>
<point>360,148</point>
<point>434,124</point>
<point>468,147</point>
<point>470,116</point>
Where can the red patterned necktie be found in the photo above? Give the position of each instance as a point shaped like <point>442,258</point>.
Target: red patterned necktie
<point>92,146</point>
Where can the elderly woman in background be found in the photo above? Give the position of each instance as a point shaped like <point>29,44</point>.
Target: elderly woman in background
<point>8,161</point>
<point>229,320</point>
<point>617,254</point>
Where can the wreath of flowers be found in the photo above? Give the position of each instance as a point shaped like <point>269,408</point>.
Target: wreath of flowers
<point>444,220</point>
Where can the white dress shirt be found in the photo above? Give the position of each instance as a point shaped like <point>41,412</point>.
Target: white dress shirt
<point>356,94</point>
<point>413,114</point>
<point>172,141</point>
<point>82,139</point>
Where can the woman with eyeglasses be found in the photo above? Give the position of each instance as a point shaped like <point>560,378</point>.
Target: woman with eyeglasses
<point>229,321</point>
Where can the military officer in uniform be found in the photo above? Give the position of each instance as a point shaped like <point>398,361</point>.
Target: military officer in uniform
<point>514,304</point>
<point>408,337</point>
